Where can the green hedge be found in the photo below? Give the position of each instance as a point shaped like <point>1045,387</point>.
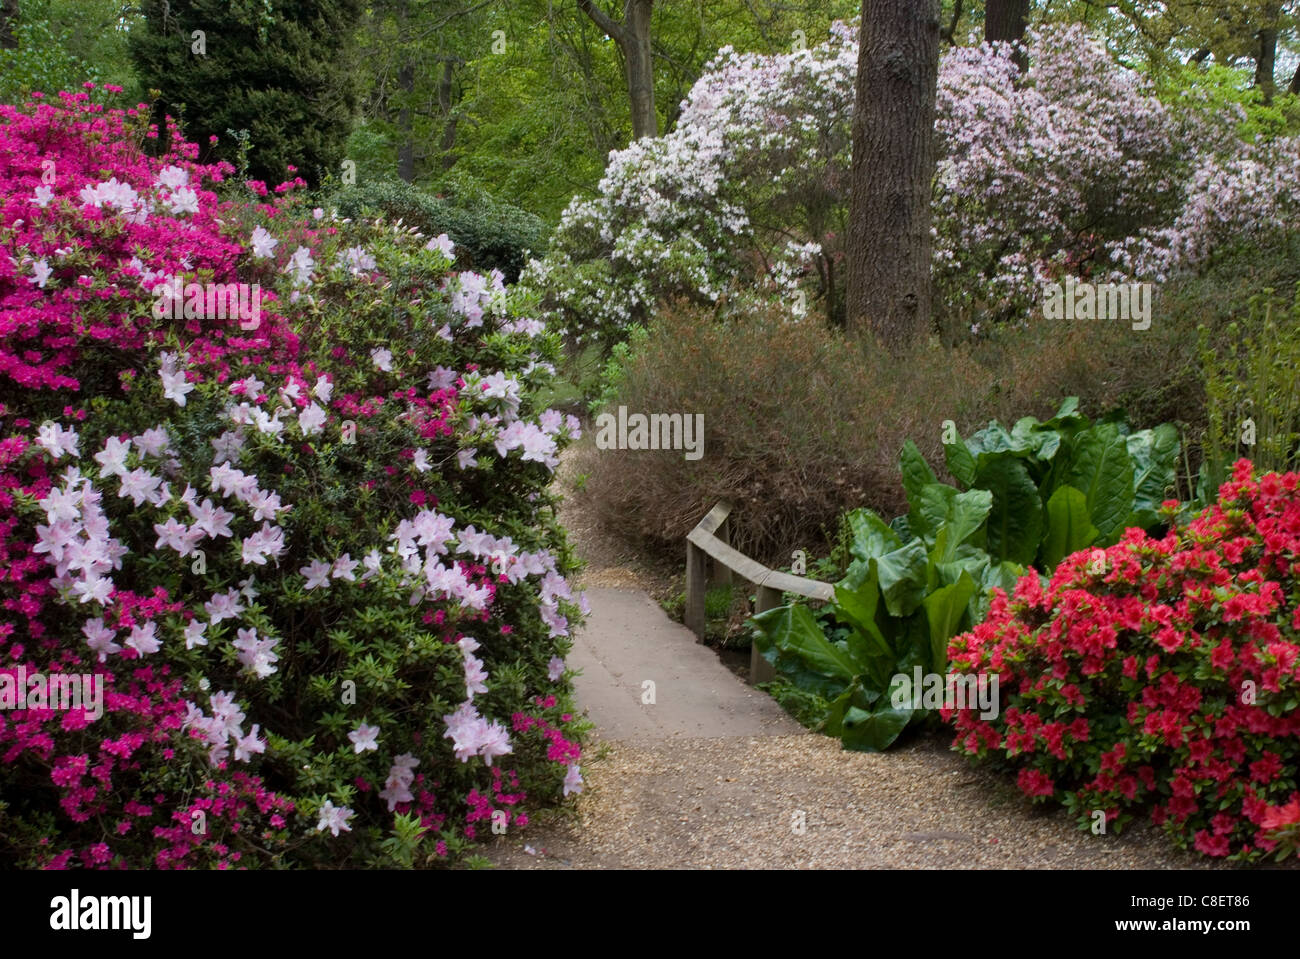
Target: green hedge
<point>488,233</point>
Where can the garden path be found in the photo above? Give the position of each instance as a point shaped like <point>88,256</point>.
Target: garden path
<point>713,774</point>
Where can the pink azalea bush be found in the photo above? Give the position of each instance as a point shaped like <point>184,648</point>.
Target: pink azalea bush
<point>308,548</point>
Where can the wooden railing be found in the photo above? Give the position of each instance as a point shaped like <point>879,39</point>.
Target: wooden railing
<point>710,538</point>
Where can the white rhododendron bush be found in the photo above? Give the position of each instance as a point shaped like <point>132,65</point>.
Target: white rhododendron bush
<point>1074,167</point>
<point>304,550</point>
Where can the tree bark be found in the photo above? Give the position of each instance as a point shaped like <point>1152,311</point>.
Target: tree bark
<point>889,243</point>
<point>1266,52</point>
<point>1294,85</point>
<point>405,83</point>
<point>1266,62</point>
<point>406,149</point>
<point>8,24</point>
<point>632,35</point>
<point>448,116</point>
<point>1004,20</point>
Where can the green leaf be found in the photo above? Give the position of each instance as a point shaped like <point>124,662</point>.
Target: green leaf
<point>1155,463</point>
<point>872,536</point>
<point>874,731</point>
<point>1068,419</point>
<point>1068,527</point>
<point>856,607</point>
<point>969,511</point>
<point>903,577</point>
<point>902,528</point>
<point>1102,470</point>
<point>930,510</point>
<point>944,609</point>
<point>1016,518</point>
<point>917,475</point>
<point>792,631</point>
<point>952,517</point>
<point>961,464</point>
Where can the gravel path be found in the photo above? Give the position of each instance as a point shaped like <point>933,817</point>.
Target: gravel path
<point>735,802</point>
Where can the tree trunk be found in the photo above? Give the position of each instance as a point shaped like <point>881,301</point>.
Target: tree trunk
<point>8,24</point>
<point>632,35</point>
<point>640,69</point>
<point>1004,20</point>
<point>405,83</point>
<point>1294,85</point>
<point>448,117</point>
<point>1266,52</point>
<point>1266,62</point>
<point>406,149</point>
<point>893,167</point>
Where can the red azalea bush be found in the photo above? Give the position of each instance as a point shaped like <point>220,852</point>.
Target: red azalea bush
<point>1160,674</point>
<point>312,559</point>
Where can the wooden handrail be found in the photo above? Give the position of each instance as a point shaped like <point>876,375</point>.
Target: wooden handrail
<point>710,538</point>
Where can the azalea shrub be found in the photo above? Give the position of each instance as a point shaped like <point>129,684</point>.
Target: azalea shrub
<point>1159,675</point>
<point>303,539</point>
<point>1073,167</point>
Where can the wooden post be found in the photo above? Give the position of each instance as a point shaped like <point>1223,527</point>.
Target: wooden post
<point>721,571</point>
<point>760,670</point>
<point>695,587</point>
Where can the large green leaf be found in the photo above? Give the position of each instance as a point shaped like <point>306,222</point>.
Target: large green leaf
<point>1016,519</point>
<point>855,695</point>
<point>792,631</point>
<point>944,609</point>
<point>961,464</point>
<point>856,607</point>
<point>1102,469</point>
<point>872,536</point>
<point>955,517</point>
<point>1032,435</point>
<point>1068,419</point>
<point>1154,454</point>
<point>916,476</point>
<point>931,508</point>
<point>1068,527</point>
<point>903,577</point>
<point>873,731</point>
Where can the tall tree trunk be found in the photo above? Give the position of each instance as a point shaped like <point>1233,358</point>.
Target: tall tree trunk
<point>640,69</point>
<point>448,116</point>
<point>406,149</point>
<point>1005,20</point>
<point>632,35</point>
<point>1266,58</point>
<point>1294,85</point>
<point>8,24</point>
<point>893,166</point>
<point>405,83</point>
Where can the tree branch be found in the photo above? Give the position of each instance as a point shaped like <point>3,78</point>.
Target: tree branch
<point>612,29</point>
<point>946,35</point>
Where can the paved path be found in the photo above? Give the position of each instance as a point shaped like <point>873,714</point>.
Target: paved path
<point>627,642</point>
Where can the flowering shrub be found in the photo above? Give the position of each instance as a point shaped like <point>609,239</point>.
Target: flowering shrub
<point>1160,674</point>
<point>1075,167</point>
<point>309,549</point>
